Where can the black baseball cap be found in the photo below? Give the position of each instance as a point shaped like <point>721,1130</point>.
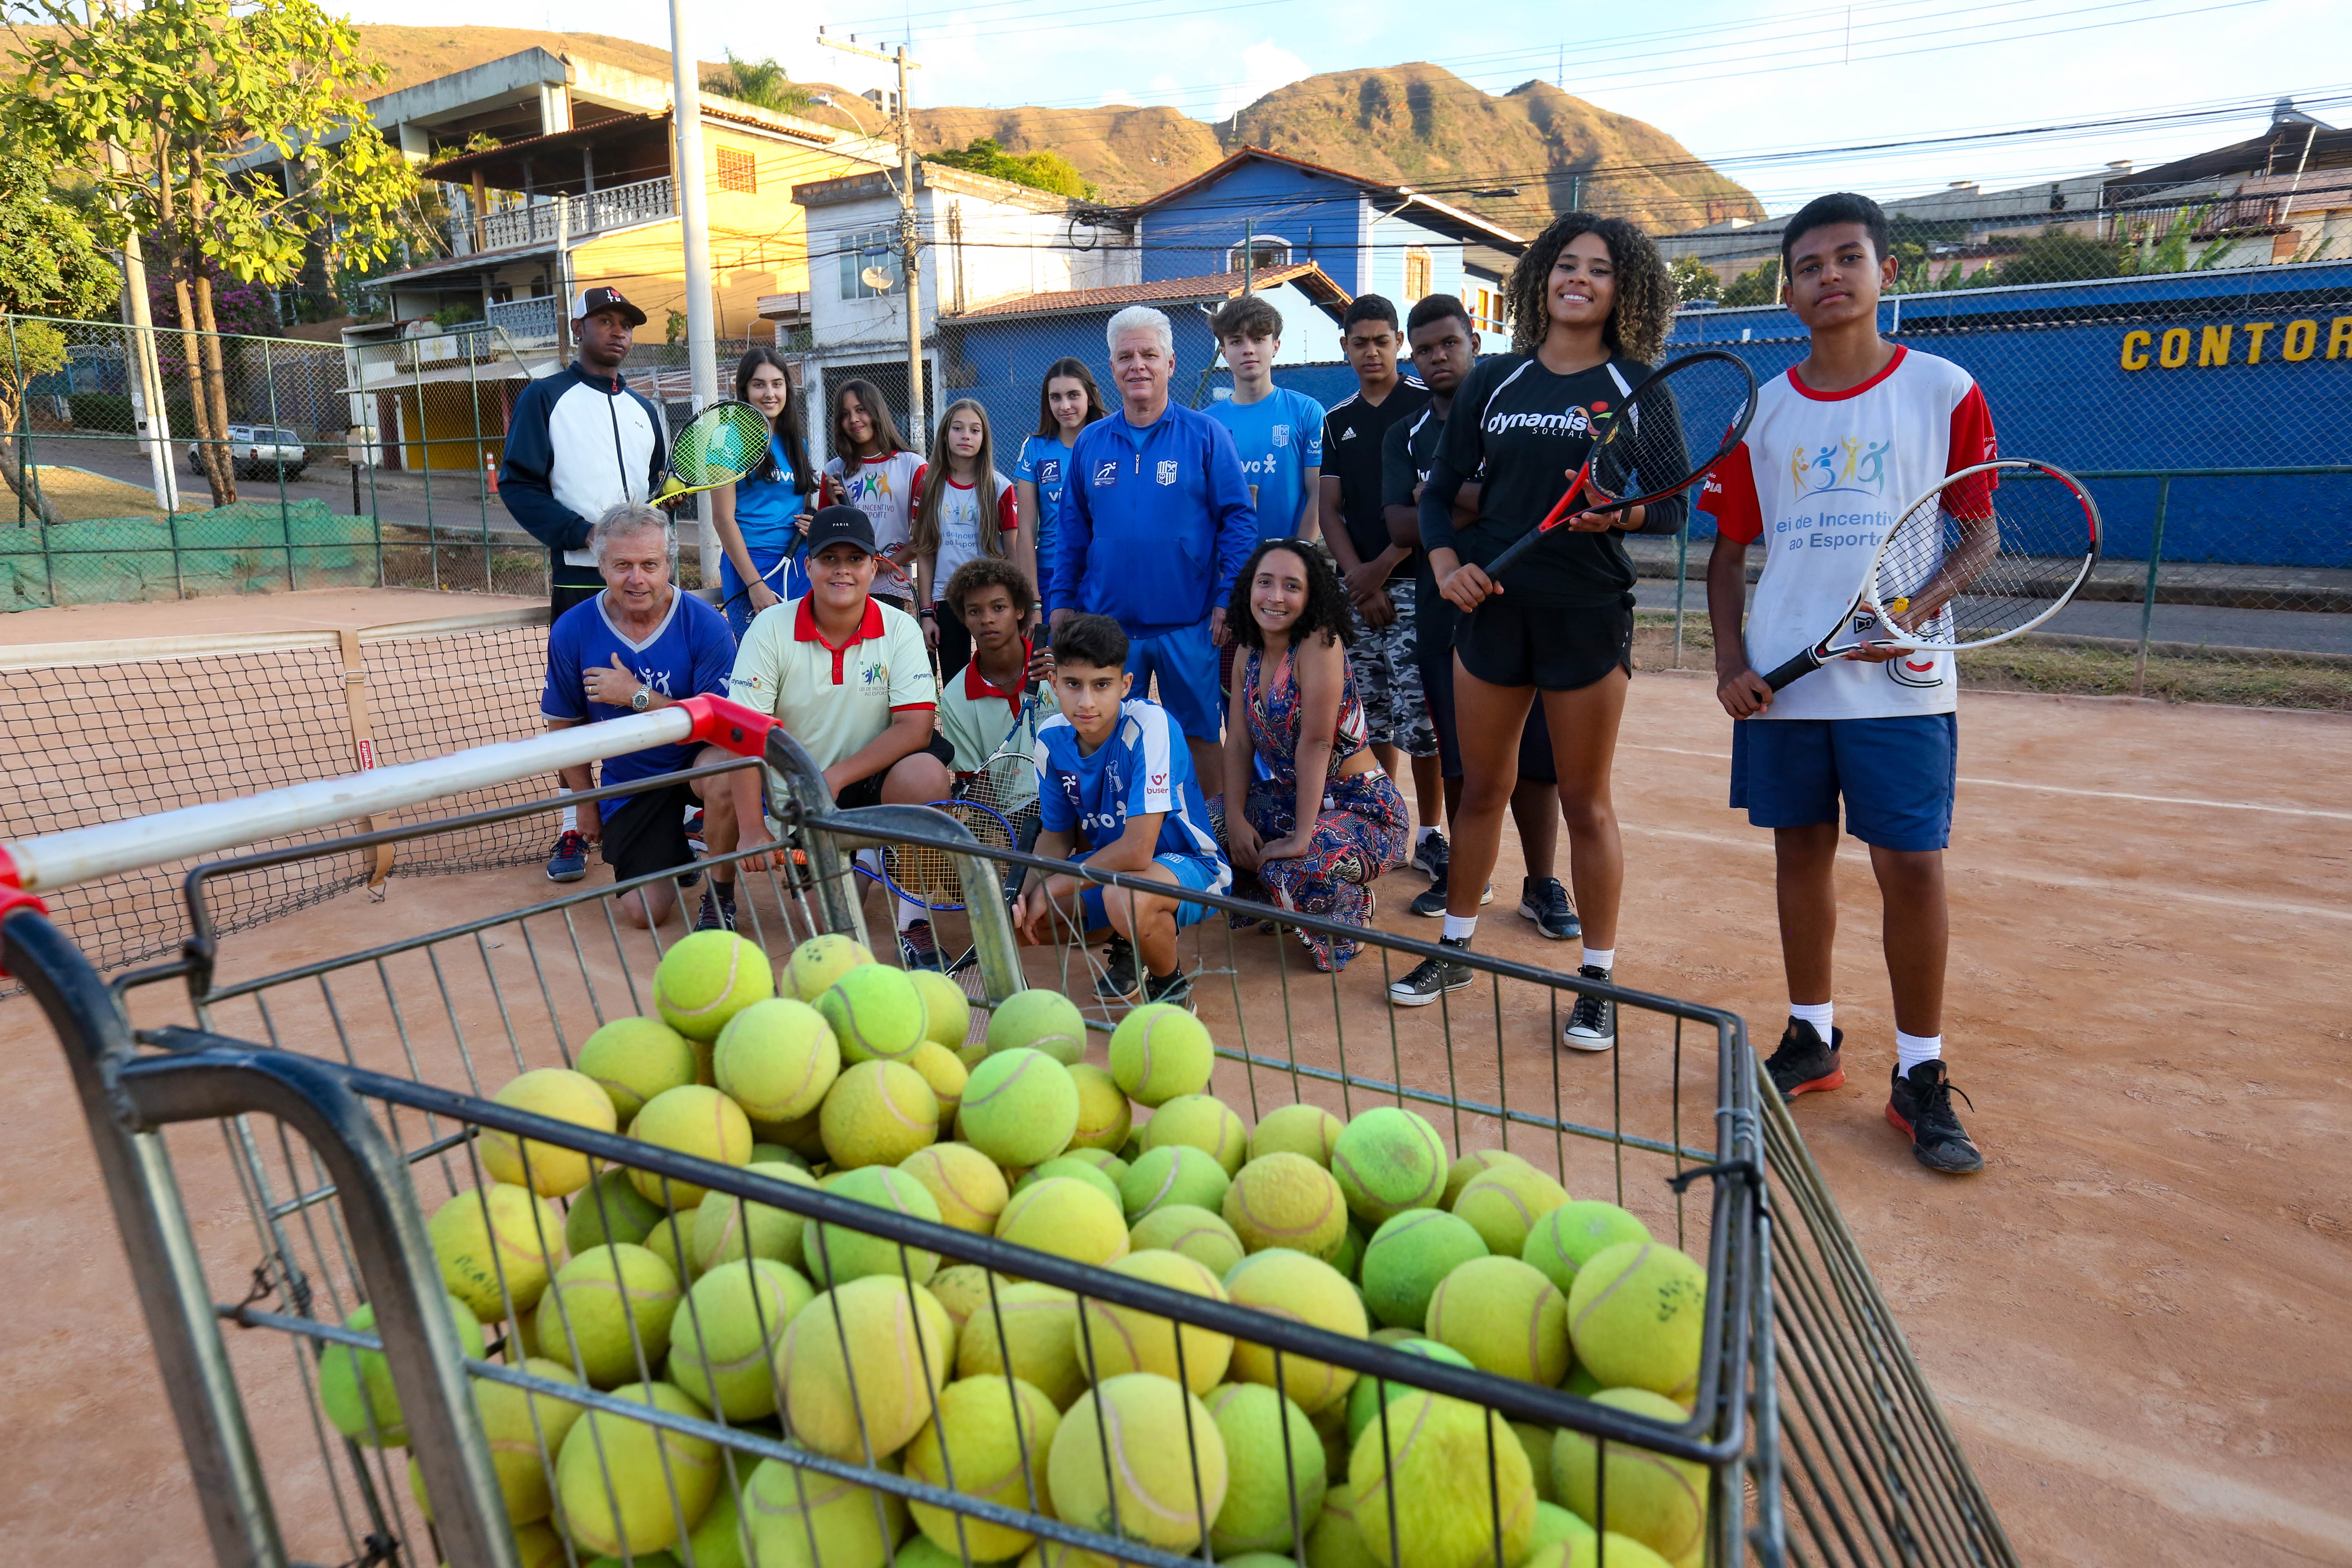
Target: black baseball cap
<point>604,297</point>
<point>840,525</point>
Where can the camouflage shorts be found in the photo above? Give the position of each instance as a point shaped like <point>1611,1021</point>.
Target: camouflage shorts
<point>1388,679</point>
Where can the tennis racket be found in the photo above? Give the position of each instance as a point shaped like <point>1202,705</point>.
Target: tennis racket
<point>718,447</point>
<point>997,801</point>
<point>1991,552</point>
<point>1640,454</point>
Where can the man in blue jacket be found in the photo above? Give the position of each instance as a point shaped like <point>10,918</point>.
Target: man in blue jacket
<point>1156,524</point>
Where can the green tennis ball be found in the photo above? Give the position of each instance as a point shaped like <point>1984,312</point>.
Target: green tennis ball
<point>1589,1551</point>
<point>1637,1314</point>
<point>1205,1122</point>
<point>876,1013</point>
<point>817,962</point>
<point>899,1341</point>
<point>595,1302</point>
<point>802,1519</point>
<point>633,1059</point>
<point>1150,1444</point>
<point>1274,1460</point>
<point>947,1075</point>
<point>1287,1200</point>
<point>723,1539</point>
<point>672,1242</point>
<point>1350,1258</point>
<point>1580,1381</point>
<point>1033,1326</point>
<point>727,1330</point>
<point>548,1169</point>
<point>964,1183</point>
<point>1102,1160</point>
<point>1389,1160</point>
<point>1044,1021</point>
<point>1160,1051</point>
<point>1553,1522</point>
<point>355,1385</point>
<point>1173,1173</point>
<point>946,1011</point>
<point>1334,1541</point>
<point>1505,1202</point>
<point>609,1209</point>
<point>1535,1442</point>
<point>693,1120</point>
<point>1190,1230</point>
<point>1021,1107</point>
<point>496,1246</point>
<point>990,1440</point>
<point>1076,1170</point>
<point>525,1431</point>
<point>837,1252</point>
<point>1364,1400</point>
<point>1113,1339</point>
<point>776,1059</point>
<point>1307,1130</point>
<point>1563,1240</point>
<point>727,1228</point>
<point>706,978</point>
<point>627,1487</point>
<point>1476,1164</point>
<point>1067,1218</point>
<point>1306,1291</point>
<point>1658,1500</point>
<point>1455,1471</point>
<point>1104,1119</point>
<point>877,1114</point>
<point>1506,1317</point>
<point>1408,1255</point>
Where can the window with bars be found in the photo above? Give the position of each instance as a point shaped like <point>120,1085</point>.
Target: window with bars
<point>1486,312</point>
<point>869,264</point>
<point>1420,269</point>
<point>1264,251</point>
<point>738,170</point>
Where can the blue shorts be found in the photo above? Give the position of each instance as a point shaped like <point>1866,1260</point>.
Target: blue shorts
<point>1195,871</point>
<point>1897,776</point>
<point>787,575</point>
<point>1185,660</point>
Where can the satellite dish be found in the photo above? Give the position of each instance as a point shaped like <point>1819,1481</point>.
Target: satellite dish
<point>875,279</point>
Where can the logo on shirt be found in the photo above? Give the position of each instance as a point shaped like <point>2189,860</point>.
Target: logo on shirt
<point>1915,669</point>
<point>1282,435</point>
<point>1167,474</point>
<point>1049,470</point>
<point>1850,467</point>
<point>1571,422</point>
<point>1108,474</point>
<point>873,673</point>
<point>1159,783</point>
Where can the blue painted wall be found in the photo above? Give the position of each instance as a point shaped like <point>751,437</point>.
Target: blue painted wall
<point>1320,217</point>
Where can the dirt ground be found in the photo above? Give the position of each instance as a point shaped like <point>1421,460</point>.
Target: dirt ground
<point>311,609</point>
<point>2134,1317</point>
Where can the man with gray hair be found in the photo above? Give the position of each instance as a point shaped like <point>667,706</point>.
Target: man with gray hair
<point>638,645</point>
<point>1156,524</point>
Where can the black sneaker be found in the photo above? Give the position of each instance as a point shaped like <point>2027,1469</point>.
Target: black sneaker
<point>1543,900</point>
<point>1592,1023</point>
<point>1430,902</point>
<point>1432,855</point>
<point>1921,1104</point>
<point>1175,988</point>
<point>1432,977</point>
<point>1121,974</point>
<point>568,862</point>
<point>718,907</point>
<point>1802,1064</point>
<point>917,949</point>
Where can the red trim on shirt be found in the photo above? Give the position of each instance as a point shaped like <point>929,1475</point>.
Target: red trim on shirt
<point>1729,497</point>
<point>977,685</point>
<point>916,708</point>
<point>1971,442</point>
<point>1804,390</point>
<point>804,629</point>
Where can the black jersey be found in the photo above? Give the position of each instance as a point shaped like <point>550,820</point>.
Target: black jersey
<point>1529,430</point>
<point>1352,434</point>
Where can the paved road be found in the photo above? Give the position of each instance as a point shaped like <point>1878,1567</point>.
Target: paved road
<point>456,500</point>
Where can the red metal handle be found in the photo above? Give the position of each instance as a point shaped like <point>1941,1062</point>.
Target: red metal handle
<point>720,722</point>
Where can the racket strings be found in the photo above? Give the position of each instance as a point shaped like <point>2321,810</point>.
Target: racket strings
<point>1674,427</point>
<point>724,441</point>
<point>1969,563</point>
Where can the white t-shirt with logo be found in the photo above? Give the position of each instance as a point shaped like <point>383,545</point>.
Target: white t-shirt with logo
<point>959,522</point>
<point>1820,479</point>
<point>884,490</point>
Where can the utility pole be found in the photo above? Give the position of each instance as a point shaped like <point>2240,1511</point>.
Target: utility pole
<point>694,228</point>
<point>909,239</point>
<point>143,372</point>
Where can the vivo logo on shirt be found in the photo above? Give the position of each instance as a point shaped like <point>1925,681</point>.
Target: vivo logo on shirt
<point>1257,465</point>
<point>1575,421</point>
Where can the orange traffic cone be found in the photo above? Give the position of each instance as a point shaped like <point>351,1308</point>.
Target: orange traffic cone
<point>490,469</point>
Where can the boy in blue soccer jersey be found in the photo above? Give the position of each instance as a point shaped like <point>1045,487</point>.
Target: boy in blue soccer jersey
<point>1115,789</point>
<point>1278,431</point>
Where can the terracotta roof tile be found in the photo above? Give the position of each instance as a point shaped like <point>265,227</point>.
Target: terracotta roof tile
<point>1211,285</point>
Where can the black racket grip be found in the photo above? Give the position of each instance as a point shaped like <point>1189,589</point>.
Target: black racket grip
<point>1804,662</point>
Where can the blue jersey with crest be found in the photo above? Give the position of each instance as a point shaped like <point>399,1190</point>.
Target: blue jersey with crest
<point>1142,767</point>
<point>1279,438</point>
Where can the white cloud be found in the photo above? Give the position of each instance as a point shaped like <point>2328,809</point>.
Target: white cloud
<point>1265,65</point>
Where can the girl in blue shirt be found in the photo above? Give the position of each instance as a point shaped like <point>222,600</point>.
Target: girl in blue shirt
<point>761,520</point>
<point>1067,403</point>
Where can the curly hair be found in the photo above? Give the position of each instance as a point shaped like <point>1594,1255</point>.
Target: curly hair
<point>991,572</point>
<point>1644,310</point>
<point>1326,601</point>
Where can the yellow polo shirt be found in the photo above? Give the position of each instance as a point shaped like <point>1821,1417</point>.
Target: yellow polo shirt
<point>834,701</point>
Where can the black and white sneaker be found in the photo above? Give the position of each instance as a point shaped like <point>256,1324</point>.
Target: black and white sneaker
<point>717,911</point>
<point>1175,988</point>
<point>1430,902</point>
<point>1121,974</point>
<point>1592,1023</point>
<point>1432,855</point>
<point>1920,1105</point>
<point>1433,978</point>
<point>1543,900</point>
<point>916,947</point>
<point>1802,1064</point>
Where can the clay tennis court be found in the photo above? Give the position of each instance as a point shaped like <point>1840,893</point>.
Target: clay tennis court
<point>2133,1318</point>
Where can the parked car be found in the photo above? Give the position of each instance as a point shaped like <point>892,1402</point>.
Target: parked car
<point>254,451</point>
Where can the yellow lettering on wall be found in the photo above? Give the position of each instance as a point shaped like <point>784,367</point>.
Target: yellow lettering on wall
<point>2214,347</point>
<point>2135,354</point>
<point>2255,332</point>
<point>2302,337</point>
<point>2174,354</point>
<point>2339,336</point>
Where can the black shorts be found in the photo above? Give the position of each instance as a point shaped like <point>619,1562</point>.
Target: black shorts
<point>1435,654</point>
<point>647,834</point>
<point>1551,647</point>
<point>563,596</point>
<point>867,791</point>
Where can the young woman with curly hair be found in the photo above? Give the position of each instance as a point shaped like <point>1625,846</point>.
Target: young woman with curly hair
<point>1591,302</point>
<point>1327,821</point>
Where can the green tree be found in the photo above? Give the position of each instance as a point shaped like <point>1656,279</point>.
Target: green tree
<point>2053,256</point>
<point>1044,170</point>
<point>50,265</point>
<point>2166,249</point>
<point>235,132</point>
<point>1757,286</point>
<point>1693,279</point>
<point>763,82</point>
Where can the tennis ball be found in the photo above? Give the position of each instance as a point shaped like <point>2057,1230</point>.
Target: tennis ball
<point>727,1328</point>
<point>1173,1174</point>
<point>776,1058</point>
<point>723,1539</point>
<point>877,1114</point>
<point>803,1137</point>
<point>1536,1443</point>
<point>1039,1323</point>
<point>1196,1233</point>
<point>793,1510</point>
<point>876,1013</point>
<point>946,1011</point>
<point>496,1246</point>
<point>1273,1458</point>
<point>1553,1522</point>
<point>964,1183</point>
<point>945,1074</point>
<point>355,1385</point>
<point>1477,1163</point>
<point>1044,1021</point>
<point>1161,1051</point>
<point>1287,1200</point>
<point>627,1486</point>
<point>837,1252</point>
<point>989,1440</point>
<point>1139,1457</point>
<point>1389,1160</point>
<point>1113,1340</point>
<point>962,1289</point>
<point>525,1431</point>
<point>1021,1107</point>
<point>1111,1166</point>
<point>1104,1117</point>
<point>1659,1500</point>
<point>1307,1130</point>
<point>1505,1202</point>
<point>708,977</point>
<point>669,1241</point>
<point>1589,1550</point>
<point>1637,1314</point>
<point>899,1343</point>
<point>1076,1171</point>
<point>1306,1291</point>
<point>693,1120</point>
<point>1408,1255</point>
<point>603,1308</point>
<point>609,1209</point>
<point>1506,1317</point>
<point>1455,1471</point>
<point>1067,1218</point>
<point>1364,1400</point>
<point>817,962</point>
<point>633,1059</point>
<point>1205,1122</point>
<point>547,1169</point>
<point>1334,1541</point>
<point>726,1228</point>
<point>1563,1240</point>
<point>1350,1256</point>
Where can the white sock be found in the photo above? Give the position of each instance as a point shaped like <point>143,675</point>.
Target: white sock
<point>1910,1050</point>
<point>1603,959</point>
<point>571,816</point>
<point>1821,1016</point>
<point>1422,837</point>
<point>1461,927</point>
<point>909,912</point>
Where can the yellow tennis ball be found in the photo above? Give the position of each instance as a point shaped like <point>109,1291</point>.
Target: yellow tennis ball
<point>817,962</point>
<point>604,1308</point>
<point>525,1431</point>
<point>1504,1204</point>
<point>1287,1200</point>
<point>672,1242</point>
<point>990,1440</point>
<point>355,1385</point>
<point>1408,1255</point>
<point>1306,1291</point>
<point>1075,1170</point>
<point>633,1059</point>
<point>708,977</point>
<point>1204,1121</point>
<point>1389,1160</point>
<point>1034,1327</point>
<point>1563,1240</point>
<point>1307,1130</point>
<point>547,1169</point>
<point>1161,1051</point>
<point>629,1487</point>
<point>727,1228</point>
<point>965,1183</point>
<point>877,1013</point>
<point>1637,1314</point>
<point>877,1114</point>
<point>889,1343</point>
<point>606,1210</point>
<point>1586,1551</point>
<point>1067,1218</point>
<point>1172,1175</point>
<point>1109,1166</point>
<point>776,1058</point>
<point>946,1011</point>
<point>1105,1118</point>
<point>693,1120</point>
<point>496,1246</point>
<point>802,1519</point>
<point>945,1074</point>
<point>1196,1233</point>
<point>1476,1164</point>
<point>1020,1108</point>
<point>1659,1500</point>
<point>1044,1021</point>
<point>1146,1442</point>
<point>1274,1459</point>
<point>838,1253</point>
<point>1366,1399</point>
<point>1453,1469</point>
<point>962,1289</point>
<point>1128,1339</point>
<point>1506,1317</point>
<point>727,1330</point>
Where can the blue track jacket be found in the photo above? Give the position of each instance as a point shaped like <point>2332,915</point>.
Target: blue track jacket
<point>1156,522</point>
<point>577,446</point>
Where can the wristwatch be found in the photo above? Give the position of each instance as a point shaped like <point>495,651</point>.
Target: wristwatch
<point>642,701</point>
